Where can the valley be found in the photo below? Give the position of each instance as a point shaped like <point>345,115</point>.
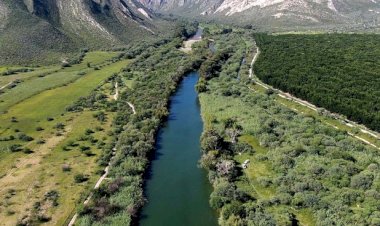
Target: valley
<point>121,112</point>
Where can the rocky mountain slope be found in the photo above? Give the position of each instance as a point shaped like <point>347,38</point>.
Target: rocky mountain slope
<point>279,13</point>
<point>36,29</point>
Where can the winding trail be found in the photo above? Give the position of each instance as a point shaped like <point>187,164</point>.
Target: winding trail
<point>132,107</point>
<point>116,97</point>
<point>6,85</point>
<point>97,185</point>
<point>107,169</point>
<point>305,103</point>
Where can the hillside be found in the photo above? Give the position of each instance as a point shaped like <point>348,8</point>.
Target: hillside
<point>280,14</point>
<point>35,30</point>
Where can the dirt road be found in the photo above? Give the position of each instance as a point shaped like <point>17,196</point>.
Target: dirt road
<point>305,103</point>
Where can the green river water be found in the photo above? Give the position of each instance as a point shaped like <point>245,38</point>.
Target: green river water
<point>177,189</point>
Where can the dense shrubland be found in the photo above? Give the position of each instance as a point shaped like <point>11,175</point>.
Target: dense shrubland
<point>298,165</point>
<point>339,72</point>
<point>156,72</point>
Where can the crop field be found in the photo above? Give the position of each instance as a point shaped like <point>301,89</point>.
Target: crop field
<point>49,156</point>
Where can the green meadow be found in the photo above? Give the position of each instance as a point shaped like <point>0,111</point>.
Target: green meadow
<point>61,144</point>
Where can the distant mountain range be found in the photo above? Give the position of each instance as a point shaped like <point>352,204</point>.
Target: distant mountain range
<point>43,30</point>
<point>279,14</point>
<point>46,27</point>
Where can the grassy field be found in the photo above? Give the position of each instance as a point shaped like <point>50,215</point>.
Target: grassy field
<point>32,176</point>
<point>37,81</point>
<point>39,111</point>
<point>6,79</point>
<point>34,111</point>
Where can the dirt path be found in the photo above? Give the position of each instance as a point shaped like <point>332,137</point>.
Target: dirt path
<point>97,185</point>
<point>132,107</point>
<point>6,85</point>
<point>106,170</point>
<point>254,60</point>
<point>116,95</point>
<point>305,103</point>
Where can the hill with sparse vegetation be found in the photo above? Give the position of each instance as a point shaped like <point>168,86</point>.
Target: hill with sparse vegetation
<point>35,31</point>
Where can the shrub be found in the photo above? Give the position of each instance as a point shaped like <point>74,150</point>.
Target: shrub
<point>66,168</point>
<point>88,153</point>
<point>80,178</point>
<point>235,208</point>
<point>211,140</point>
<point>40,141</point>
<point>52,196</point>
<point>39,128</point>
<point>65,148</point>
<point>100,116</point>
<point>65,64</point>
<point>24,137</point>
<point>71,143</point>
<point>15,148</point>
<point>89,131</point>
<point>362,181</point>
<point>269,92</point>
<point>59,126</point>
<point>84,148</point>
<point>28,151</point>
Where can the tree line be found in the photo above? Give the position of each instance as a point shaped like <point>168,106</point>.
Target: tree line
<point>339,72</point>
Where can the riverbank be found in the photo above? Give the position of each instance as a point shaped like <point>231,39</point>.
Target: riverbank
<point>119,200</point>
<point>177,190</point>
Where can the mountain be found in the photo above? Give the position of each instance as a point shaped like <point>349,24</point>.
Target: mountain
<point>44,29</point>
<point>278,14</point>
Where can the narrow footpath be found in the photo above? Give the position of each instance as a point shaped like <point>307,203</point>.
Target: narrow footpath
<point>6,85</point>
<point>106,170</point>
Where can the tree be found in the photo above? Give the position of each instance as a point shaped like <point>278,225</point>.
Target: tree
<point>225,168</point>
<point>232,129</point>
<point>362,181</point>
<point>211,140</point>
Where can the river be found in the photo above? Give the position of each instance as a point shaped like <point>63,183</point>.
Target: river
<point>177,190</point>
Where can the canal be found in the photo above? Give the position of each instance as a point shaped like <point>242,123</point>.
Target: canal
<point>177,189</point>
